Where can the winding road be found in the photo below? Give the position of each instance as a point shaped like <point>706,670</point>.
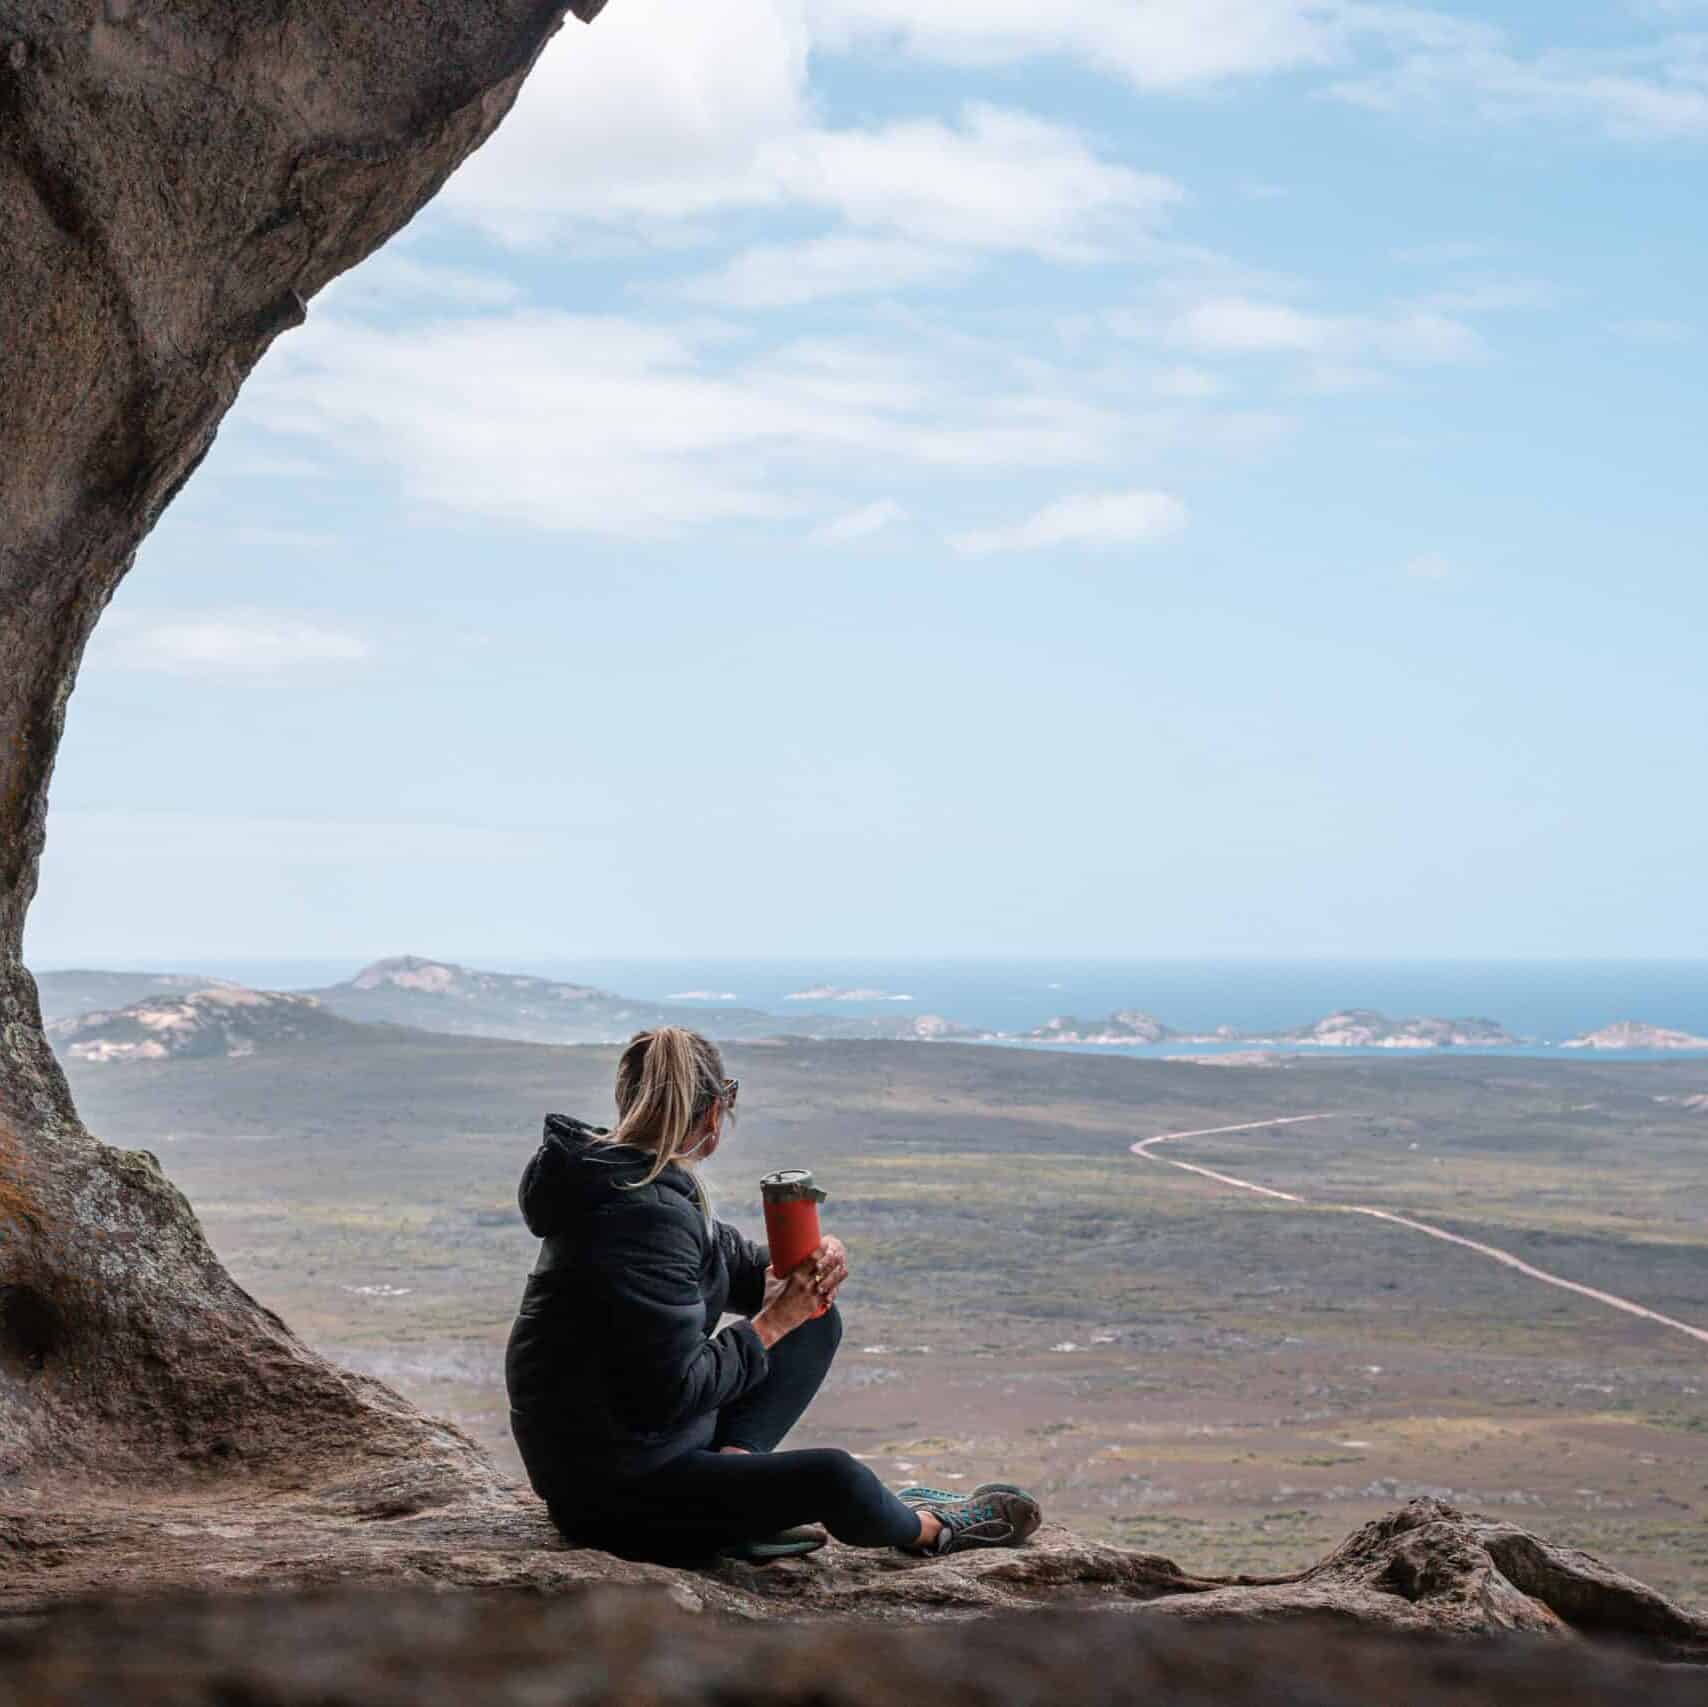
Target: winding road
<point>1145,1148</point>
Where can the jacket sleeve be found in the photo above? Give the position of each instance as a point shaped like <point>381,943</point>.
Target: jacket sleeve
<point>747,1263</point>
<point>664,1370</point>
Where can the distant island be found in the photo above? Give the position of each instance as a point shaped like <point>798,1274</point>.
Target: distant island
<point>835,993</point>
<point>1352,1028</point>
<point>1363,1028</point>
<point>1633,1034</point>
<point>1124,1026</point>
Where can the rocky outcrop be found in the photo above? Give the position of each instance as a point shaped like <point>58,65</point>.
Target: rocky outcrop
<point>1364,1028</point>
<point>1633,1034</point>
<point>1352,1028</point>
<point>1427,1569</point>
<point>176,184</point>
<point>633,1648</point>
<point>1125,1026</point>
<point>64,995</point>
<point>226,1020</point>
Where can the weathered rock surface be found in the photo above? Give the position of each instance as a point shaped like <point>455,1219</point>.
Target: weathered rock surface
<point>176,183</point>
<point>634,1648</point>
<point>1427,1569</point>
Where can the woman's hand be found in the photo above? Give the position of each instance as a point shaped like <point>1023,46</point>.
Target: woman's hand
<point>795,1298</point>
<point>790,1300</point>
<point>830,1265</point>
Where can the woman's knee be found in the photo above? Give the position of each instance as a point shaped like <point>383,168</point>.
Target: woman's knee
<point>824,1332</point>
<point>830,1325</point>
<point>840,1474</point>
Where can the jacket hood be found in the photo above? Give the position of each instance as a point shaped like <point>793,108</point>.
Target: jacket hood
<point>572,1175</point>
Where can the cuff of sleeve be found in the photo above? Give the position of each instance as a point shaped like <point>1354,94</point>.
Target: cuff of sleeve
<point>755,1358</point>
<point>749,1297</point>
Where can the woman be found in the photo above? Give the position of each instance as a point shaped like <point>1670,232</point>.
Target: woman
<point>647,1433</point>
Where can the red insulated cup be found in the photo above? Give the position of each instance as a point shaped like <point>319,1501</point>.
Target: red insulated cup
<point>791,1219</point>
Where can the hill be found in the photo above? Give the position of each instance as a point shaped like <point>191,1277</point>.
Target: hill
<point>63,994</point>
<point>438,995</point>
<point>220,1020</point>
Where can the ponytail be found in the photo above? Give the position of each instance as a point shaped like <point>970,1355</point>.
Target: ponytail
<point>667,1080</point>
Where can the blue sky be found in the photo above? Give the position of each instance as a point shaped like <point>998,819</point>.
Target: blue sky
<point>1129,477</point>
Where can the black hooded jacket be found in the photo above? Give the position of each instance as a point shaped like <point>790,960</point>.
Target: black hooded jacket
<point>613,1367</point>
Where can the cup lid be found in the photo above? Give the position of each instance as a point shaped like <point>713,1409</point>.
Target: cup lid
<point>790,1185</point>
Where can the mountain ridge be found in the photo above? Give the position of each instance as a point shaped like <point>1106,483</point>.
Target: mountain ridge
<point>440,995</point>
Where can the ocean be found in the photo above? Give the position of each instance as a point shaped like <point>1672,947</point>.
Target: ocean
<point>1543,1002</point>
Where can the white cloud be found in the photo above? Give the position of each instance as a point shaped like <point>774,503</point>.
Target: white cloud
<point>1239,325</point>
<point>1093,519</point>
<point>658,113</point>
<point>861,523</point>
<point>1156,44</point>
<point>783,275</point>
<point>1657,90</point>
<point>1429,566</point>
<point>998,179</point>
<point>614,426</point>
<point>671,111</point>
<point>1387,54</point>
<point>233,643</point>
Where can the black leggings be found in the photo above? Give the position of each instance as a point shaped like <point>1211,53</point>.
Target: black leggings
<point>703,1501</point>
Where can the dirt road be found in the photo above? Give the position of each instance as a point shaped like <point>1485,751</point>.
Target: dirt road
<point>1145,1148</point>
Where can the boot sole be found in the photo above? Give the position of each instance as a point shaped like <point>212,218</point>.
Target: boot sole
<point>763,1552</point>
<point>939,1496</point>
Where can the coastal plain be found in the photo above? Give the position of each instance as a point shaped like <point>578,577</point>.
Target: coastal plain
<point>1171,1362</point>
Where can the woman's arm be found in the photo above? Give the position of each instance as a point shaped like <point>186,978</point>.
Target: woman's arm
<point>663,1369</point>
<point>747,1263</point>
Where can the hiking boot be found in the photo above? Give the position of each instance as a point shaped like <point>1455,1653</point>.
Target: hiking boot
<point>995,1520</point>
<point>918,1494</point>
<point>785,1544</point>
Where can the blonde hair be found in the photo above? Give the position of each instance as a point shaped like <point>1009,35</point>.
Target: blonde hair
<point>667,1081</point>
